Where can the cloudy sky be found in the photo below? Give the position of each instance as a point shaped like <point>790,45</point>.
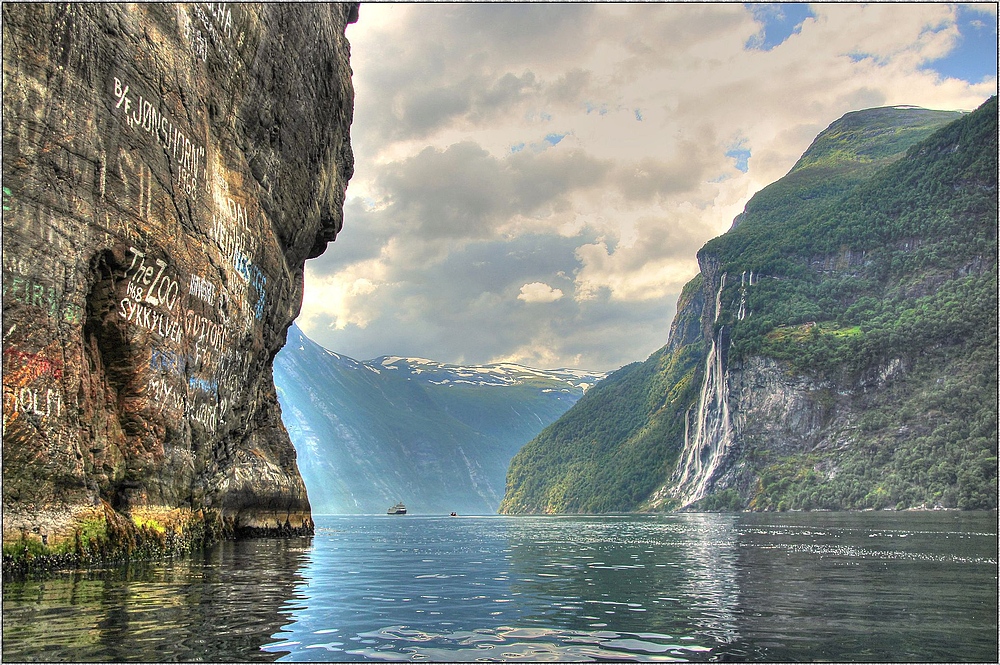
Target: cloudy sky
<point>533,180</point>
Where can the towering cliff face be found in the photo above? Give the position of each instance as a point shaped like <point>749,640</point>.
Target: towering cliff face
<point>874,297</point>
<point>838,349</point>
<point>167,169</point>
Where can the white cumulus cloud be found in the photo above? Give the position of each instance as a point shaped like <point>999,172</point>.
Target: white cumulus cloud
<point>539,292</point>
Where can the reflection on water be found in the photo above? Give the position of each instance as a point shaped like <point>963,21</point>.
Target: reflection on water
<point>674,577</point>
<point>217,605</point>
<point>711,549</point>
<point>848,587</point>
<point>497,588</point>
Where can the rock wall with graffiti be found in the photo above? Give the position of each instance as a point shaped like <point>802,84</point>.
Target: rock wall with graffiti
<point>167,169</point>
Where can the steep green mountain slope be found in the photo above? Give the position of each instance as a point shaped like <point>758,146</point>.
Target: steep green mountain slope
<point>436,436</point>
<point>838,349</point>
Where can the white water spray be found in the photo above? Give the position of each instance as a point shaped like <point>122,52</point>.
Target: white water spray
<point>704,453</point>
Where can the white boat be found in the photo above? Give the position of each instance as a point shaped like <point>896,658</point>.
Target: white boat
<point>398,509</point>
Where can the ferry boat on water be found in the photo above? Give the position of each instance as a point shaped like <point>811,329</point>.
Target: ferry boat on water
<point>398,509</point>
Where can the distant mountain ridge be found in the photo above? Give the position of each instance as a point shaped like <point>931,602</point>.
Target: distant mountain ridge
<point>498,374</point>
<point>437,436</point>
<point>838,349</point>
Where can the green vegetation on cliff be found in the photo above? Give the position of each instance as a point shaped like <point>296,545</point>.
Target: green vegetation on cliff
<point>874,267</point>
<point>898,261</point>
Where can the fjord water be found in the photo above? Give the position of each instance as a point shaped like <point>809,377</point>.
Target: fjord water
<point>763,587</point>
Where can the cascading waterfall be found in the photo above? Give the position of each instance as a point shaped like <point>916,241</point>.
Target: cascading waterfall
<point>712,430</point>
<point>745,283</point>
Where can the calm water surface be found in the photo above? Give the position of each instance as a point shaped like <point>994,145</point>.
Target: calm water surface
<point>805,586</point>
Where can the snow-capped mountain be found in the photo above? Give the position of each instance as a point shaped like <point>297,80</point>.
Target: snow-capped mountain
<point>437,436</point>
<point>501,374</point>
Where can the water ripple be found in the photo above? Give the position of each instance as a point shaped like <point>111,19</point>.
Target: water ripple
<point>522,644</point>
<point>851,551</point>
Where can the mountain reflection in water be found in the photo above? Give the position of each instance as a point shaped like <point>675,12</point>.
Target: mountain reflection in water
<point>807,586</point>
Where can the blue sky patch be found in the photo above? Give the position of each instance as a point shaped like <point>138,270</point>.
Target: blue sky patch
<point>780,21</point>
<point>975,56</point>
<point>740,154</point>
<point>536,147</point>
<point>554,139</point>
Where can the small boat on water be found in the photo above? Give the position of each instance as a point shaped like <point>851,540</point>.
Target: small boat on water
<point>398,509</point>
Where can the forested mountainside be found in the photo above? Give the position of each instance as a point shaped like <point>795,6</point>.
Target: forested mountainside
<point>838,349</point>
<point>438,437</point>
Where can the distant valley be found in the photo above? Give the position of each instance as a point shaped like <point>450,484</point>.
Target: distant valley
<point>438,437</point>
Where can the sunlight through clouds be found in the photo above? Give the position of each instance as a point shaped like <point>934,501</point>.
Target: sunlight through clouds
<point>339,298</point>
